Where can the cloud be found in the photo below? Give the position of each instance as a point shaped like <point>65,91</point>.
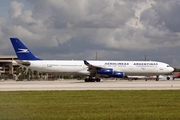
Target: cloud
<point>66,29</point>
<point>168,13</point>
<point>15,9</point>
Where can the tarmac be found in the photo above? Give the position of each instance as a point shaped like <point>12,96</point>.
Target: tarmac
<point>11,85</point>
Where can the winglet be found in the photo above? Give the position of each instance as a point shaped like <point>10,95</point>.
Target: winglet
<point>22,52</point>
<point>86,63</point>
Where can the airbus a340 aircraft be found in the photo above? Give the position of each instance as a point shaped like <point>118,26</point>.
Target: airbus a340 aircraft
<point>94,69</point>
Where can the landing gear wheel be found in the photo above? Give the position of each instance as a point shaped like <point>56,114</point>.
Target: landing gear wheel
<point>157,78</point>
<point>98,80</point>
<point>168,78</point>
<point>86,80</point>
<point>90,79</point>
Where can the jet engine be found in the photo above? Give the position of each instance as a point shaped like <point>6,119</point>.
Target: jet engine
<point>111,73</point>
<point>105,71</point>
<point>118,74</point>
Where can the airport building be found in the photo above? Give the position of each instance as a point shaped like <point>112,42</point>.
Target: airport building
<point>7,69</point>
<point>6,66</point>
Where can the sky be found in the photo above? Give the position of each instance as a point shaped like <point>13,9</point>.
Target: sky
<point>77,29</point>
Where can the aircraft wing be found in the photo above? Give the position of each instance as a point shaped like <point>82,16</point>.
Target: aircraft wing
<point>92,68</point>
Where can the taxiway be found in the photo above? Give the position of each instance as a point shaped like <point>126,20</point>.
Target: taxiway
<point>81,85</point>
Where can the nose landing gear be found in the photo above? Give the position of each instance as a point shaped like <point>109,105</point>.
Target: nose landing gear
<point>157,78</point>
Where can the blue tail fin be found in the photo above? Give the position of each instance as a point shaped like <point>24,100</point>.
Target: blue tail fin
<point>22,52</point>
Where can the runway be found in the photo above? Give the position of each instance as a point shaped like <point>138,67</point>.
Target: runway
<point>81,85</point>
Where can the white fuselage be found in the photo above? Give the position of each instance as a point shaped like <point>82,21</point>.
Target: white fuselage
<point>78,67</point>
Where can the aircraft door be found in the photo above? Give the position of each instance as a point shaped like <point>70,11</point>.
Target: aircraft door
<point>131,69</point>
<point>156,69</point>
<point>160,69</point>
<point>44,65</point>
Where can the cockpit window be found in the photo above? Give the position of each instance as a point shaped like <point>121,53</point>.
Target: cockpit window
<point>168,65</point>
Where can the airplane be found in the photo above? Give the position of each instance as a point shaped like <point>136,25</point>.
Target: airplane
<point>94,69</point>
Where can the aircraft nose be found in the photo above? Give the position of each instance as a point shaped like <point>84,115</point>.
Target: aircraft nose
<point>171,69</point>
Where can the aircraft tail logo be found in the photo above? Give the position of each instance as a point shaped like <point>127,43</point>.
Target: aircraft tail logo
<point>23,51</point>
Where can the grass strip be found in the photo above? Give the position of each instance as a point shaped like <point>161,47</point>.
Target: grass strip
<point>88,105</point>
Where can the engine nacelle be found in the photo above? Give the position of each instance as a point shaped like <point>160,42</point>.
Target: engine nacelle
<point>118,74</point>
<point>106,71</point>
<point>111,73</point>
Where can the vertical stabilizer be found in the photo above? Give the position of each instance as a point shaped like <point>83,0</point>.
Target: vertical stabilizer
<point>22,52</point>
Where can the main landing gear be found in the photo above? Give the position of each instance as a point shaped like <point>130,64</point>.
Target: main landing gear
<point>157,78</point>
<point>92,79</point>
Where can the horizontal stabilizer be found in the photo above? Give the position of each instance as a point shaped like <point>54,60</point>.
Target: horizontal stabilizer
<point>25,63</point>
